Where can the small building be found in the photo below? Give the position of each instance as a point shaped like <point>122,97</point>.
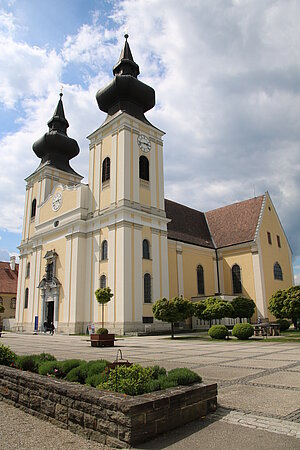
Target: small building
<point>120,231</point>
<point>8,288</point>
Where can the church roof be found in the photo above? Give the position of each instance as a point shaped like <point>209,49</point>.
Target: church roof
<point>230,225</point>
<point>8,278</point>
<point>236,223</point>
<point>187,225</point>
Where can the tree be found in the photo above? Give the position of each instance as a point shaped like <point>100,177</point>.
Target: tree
<point>285,304</point>
<point>103,296</point>
<point>213,308</point>
<point>174,310</point>
<point>242,307</point>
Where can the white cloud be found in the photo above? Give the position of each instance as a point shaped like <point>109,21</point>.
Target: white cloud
<point>297,279</point>
<point>226,76</point>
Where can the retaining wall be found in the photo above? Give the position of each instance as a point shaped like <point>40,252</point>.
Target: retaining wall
<point>110,418</point>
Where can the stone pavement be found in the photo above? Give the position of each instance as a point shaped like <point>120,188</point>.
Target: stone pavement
<point>259,383</point>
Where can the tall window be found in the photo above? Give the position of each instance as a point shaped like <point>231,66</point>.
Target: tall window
<point>49,271</point>
<point>104,248</point>
<point>13,303</point>
<point>106,170</point>
<point>269,238</point>
<point>144,168</point>
<point>147,288</point>
<point>33,208</point>
<point>103,281</point>
<point>26,298</point>
<point>1,301</point>
<point>277,272</point>
<point>28,270</point>
<point>278,241</point>
<point>236,279</point>
<point>146,249</point>
<point>200,280</point>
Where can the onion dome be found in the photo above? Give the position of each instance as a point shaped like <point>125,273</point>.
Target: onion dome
<point>56,148</point>
<point>125,92</point>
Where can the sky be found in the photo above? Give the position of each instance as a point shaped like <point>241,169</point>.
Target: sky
<point>227,79</point>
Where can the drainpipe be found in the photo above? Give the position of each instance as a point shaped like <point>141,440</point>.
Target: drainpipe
<point>218,275</point>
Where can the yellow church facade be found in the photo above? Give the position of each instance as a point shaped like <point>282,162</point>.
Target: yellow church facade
<point>120,231</point>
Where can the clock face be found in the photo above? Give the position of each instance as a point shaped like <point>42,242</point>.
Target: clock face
<point>56,201</point>
<point>144,143</point>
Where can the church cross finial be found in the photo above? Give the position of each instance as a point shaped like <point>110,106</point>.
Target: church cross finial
<point>61,91</point>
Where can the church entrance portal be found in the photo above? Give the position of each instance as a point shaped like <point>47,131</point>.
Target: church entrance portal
<point>50,313</point>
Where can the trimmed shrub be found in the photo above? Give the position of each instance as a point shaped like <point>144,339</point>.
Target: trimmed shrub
<point>183,376</point>
<point>7,356</point>
<point>96,367</point>
<point>130,380</point>
<point>218,332</point>
<point>42,357</point>
<point>158,371</point>
<point>96,379</point>
<point>166,382</point>
<point>78,374</point>
<point>28,362</point>
<point>243,331</point>
<point>284,324</point>
<point>52,368</point>
<point>102,331</point>
<point>69,364</point>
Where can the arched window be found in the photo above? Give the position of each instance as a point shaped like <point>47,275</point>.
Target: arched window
<point>236,279</point>
<point>104,248</point>
<point>144,168</point>
<point>146,249</point>
<point>13,303</point>
<point>277,272</point>
<point>200,280</point>
<point>102,281</point>
<point>147,288</point>
<point>106,170</point>
<point>28,270</point>
<point>26,298</point>
<point>33,208</point>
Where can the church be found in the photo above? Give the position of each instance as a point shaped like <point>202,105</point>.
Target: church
<point>120,231</point>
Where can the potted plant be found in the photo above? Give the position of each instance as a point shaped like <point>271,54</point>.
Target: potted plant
<point>102,338</point>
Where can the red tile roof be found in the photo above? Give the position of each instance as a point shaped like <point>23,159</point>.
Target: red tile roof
<point>8,278</point>
<point>236,223</point>
<point>187,225</point>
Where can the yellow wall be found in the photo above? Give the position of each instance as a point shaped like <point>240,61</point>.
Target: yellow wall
<point>193,257</point>
<point>172,264</point>
<point>242,257</point>
<point>272,253</point>
<point>9,312</point>
<point>69,201</point>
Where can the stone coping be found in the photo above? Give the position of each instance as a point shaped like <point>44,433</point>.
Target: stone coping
<point>111,418</point>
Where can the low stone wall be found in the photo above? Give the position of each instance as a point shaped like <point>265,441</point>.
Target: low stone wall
<point>110,418</point>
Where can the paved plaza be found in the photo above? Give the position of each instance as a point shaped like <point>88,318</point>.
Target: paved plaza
<point>258,382</point>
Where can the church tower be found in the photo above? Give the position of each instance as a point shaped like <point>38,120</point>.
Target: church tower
<point>127,187</point>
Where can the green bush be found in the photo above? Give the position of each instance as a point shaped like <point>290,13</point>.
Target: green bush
<point>69,364</point>
<point>243,331</point>
<point>7,356</point>
<point>158,371</point>
<point>218,332</point>
<point>42,357</point>
<point>78,374</point>
<point>165,382</point>
<point>183,376</point>
<point>28,362</point>
<point>102,331</point>
<point>284,324</point>
<point>96,379</point>
<point>96,367</point>
<point>130,380</point>
<point>53,368</point>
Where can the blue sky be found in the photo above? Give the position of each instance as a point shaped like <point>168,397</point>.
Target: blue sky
<point>227,81</point>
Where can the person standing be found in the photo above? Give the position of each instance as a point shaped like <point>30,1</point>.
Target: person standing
<point>52,328</point>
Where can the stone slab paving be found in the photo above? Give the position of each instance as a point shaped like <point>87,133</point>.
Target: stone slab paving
<point>258,381</point>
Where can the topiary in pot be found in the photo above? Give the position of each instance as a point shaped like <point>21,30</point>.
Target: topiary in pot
<point>102,331</point>
<point>284,324</point>
<point>243,331</point>
<point>218,332</point>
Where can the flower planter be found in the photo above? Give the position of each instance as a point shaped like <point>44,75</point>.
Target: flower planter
<point>102,340</point>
